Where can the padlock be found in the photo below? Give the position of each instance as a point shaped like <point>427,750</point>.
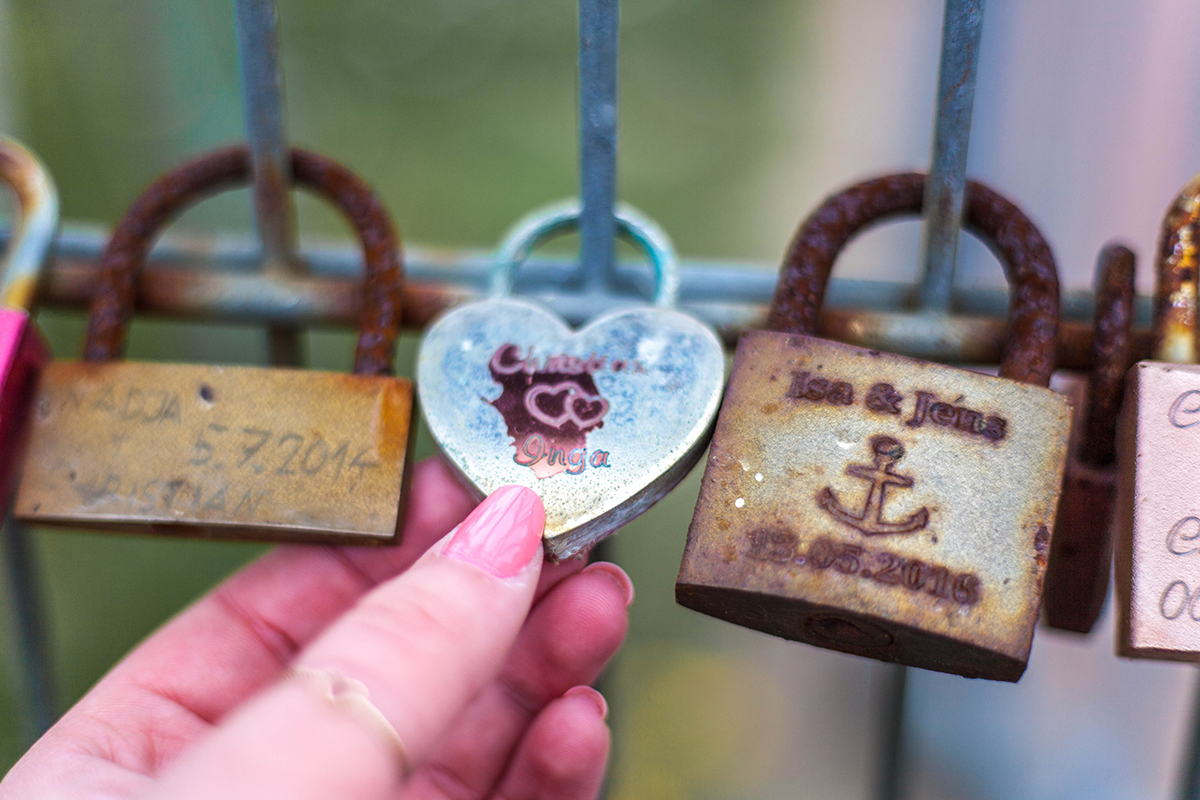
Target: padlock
<point>23,350</point>
<point>226,452</point>
<point>876,504</point>
<point>600,422</point>
<point>1158,534</point>
<point>1081,552</point>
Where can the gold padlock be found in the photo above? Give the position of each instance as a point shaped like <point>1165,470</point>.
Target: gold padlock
<point>226,452</point>
<point>876,504</point>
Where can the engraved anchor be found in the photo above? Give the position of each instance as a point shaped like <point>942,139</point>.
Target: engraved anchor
<point>870,520</point>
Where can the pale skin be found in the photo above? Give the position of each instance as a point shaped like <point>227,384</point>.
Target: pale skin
<point>474,651</point>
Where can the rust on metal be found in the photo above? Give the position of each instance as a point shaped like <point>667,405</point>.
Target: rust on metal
<point>1111,354</point>
<point>1027,260</point>
<point>1081,554</point>
<point>878,505</point>
<point>164,199</point>
<point>218,452</point>
<point>227,452</point>
<point>938,561</point>
<point>1174,325</point>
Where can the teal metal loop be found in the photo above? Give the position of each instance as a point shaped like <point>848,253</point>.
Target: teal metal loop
<point>553,220</point>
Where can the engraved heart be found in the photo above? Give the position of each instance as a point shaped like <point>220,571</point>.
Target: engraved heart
<point>587,410</point>
<point>600,422</point>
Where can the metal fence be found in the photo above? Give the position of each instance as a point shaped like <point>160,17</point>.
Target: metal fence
<point>264,281</point>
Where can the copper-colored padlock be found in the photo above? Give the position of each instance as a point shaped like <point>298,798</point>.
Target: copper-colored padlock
<point>1081,554</point>
<point>1158,533</point>
<point>877,504</point>
<point>227,452</point>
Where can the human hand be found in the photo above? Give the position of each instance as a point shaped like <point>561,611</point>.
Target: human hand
<point>473,651</point>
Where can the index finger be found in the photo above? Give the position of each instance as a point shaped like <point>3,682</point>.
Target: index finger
<point>241,636</point>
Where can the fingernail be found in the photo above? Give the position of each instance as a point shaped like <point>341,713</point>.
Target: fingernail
<point>502,533</point>
<point>615,574</point>
<point>590,694</point>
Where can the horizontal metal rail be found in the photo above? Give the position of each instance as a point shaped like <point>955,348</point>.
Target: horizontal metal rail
<point>191,277</point>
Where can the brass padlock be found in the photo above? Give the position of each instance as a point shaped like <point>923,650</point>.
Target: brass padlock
<point>1158,534</point>
<point>1081,553</point>
<point>226,452</point>
<point>876,504</point>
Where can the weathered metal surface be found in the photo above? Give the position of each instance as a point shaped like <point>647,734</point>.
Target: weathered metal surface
<point>601,422</point>
<point>221,452</point>
<point>962,28</point>
<point>221,169</point>
<point>224,451</point>
<point>1081,556</point>
<point>956,584</point>
<point>1174,327</point>
<point>878,505</point>
<point>1027,260</point>
<point>1158,541</point>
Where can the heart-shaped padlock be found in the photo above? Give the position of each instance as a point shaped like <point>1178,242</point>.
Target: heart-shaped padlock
<point>600,422</point>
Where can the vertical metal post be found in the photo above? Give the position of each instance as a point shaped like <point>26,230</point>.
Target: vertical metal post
<point>274,210</point>
<point>598,22</point>
<point>962,26</point>
<point>890,765</point>
<point>1189,778</point>
<point>27,621</point>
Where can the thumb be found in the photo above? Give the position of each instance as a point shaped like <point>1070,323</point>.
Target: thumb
<point>419,646</point>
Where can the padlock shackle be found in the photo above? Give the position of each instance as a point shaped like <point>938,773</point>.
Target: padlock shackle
<point>998,223</point>
<point>35,228</point>
<point>165,198</point>
<point>553,220</point>
<point>1112,344</point>
<point>1173,330</point>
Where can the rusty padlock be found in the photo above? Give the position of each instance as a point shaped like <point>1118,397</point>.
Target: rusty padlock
<point>226,452</point>
<point>23,350</point>
<point>876,504</point>
<point>1081,553</point>
<point>1158,534</point>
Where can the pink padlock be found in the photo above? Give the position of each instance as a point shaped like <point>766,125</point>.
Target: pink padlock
<point>23,350</point>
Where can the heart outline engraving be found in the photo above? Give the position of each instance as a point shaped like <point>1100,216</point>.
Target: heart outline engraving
<point>575,393</point>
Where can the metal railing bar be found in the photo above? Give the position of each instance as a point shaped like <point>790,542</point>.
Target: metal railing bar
<point>274,207</point>
<point>198,278</point>
<point>598,25</point>
<point>962,27</point>
<point>34,668</point>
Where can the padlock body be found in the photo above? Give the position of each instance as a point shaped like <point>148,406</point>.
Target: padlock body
<point>218,452</point>
<point>1157,565</point>
<point>23,353</point>
<point>1077,576</point>
<point>878,505</point>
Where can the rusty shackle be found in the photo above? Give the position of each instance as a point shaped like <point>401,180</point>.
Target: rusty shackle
<point>166,197</point>
<point>1173,330</point>
<point>997,222</point>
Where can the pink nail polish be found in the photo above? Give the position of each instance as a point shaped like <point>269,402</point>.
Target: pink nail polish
<point>502,533</point>
<point>590,694</point>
